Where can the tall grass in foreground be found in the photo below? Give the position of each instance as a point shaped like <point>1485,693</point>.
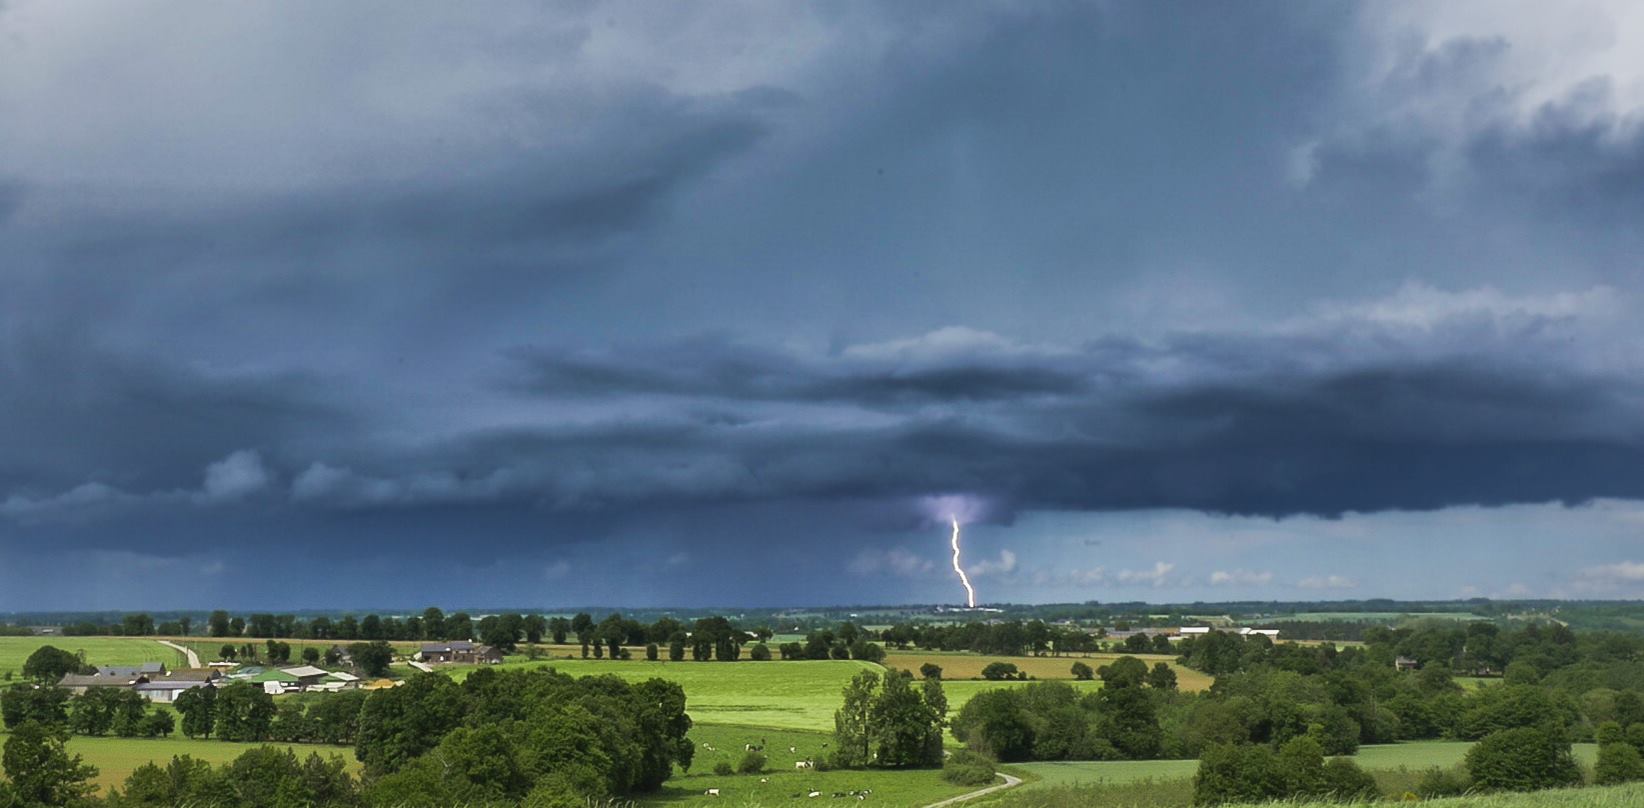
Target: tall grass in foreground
<point>1169,793</point>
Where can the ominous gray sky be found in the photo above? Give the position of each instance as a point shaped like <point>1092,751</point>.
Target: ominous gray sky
<point>308,304</point>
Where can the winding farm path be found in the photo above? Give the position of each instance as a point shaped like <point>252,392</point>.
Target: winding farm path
<point>193,658</point>
<point>1010,782</point>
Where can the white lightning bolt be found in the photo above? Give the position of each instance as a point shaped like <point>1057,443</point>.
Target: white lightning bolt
<point>970,594</point>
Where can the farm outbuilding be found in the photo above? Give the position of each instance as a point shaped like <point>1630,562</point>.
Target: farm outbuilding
<point>165,691</point>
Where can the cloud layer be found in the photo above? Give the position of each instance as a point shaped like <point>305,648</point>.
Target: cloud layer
<point>783,287</point>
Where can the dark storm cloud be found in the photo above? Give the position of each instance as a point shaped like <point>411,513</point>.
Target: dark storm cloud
<point>75,414</point>
<point>521,208</point>
<point>1245,426</point>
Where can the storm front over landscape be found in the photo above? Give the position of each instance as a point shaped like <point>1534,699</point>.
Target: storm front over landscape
<point>640,304</point>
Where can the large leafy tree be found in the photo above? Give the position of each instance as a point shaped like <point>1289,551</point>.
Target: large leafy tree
<point>41,770</point>
<point>49,664</point>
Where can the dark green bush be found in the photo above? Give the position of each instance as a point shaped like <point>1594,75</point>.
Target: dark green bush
<point>967,768</point>
<point>753,762</point>
<point>1523,759</point>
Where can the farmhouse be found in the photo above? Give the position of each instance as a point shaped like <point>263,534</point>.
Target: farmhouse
<point>1405,663</point>
<point>149,669</point>
<point>458,651</point>
<point>77,683</point>
<point>454,651</point>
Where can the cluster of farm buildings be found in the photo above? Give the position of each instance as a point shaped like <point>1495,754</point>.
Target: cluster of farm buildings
<point>1184,632</point>
<point>154,682</point>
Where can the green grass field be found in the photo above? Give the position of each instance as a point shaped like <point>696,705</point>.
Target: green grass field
<point>1416,755</point>
<point>117,758</point>
<point>719,743</point>
<point>14,651</point>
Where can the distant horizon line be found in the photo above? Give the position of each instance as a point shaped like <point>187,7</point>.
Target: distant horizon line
<point>722,609</point>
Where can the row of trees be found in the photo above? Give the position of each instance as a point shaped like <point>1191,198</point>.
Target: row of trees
<point>1005,638</point>
<point>98,711</point>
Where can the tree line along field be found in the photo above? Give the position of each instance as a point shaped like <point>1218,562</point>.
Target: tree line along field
<point>1376,758</point>
<point>966,665</point>
<point>117,758</point>
<point>1624,796</point>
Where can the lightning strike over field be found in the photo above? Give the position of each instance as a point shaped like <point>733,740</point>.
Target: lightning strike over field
<point>970,593</point>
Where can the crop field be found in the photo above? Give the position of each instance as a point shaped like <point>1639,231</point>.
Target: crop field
<point>1415,756</point>
<point>785,695</point>
<point>784,784</point>
<point>14,651</point>
<point>963,665</point>
<point>117,758</point>
<point>1372,617</point>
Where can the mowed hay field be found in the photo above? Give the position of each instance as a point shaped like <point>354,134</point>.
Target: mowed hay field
<point>14,651</point>
<point>961,665</point>
<point>117,758</point>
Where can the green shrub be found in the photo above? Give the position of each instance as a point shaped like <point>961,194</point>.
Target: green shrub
<point>1523,759</point>
<point>753,762</point>
<point>967,768</point>
<point>723,768</point>
<point>1618,763</point>
<point>1238,773</point>
<point>1436,782</point>
<point>1344,780</point>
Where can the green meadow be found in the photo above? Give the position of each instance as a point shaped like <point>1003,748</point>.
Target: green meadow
<point>781,783</point>
<point>14,651</point>
<point>117,758</point>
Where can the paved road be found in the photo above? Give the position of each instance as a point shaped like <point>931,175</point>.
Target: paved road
<point>1010,782</point>
<point>193,658</point>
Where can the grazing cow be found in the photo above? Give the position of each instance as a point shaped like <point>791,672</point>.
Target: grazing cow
<point>764,779</point>
<point>803,764</point>
<point>814,794</point>
<point>792,750</point>
<point>712,792</point>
